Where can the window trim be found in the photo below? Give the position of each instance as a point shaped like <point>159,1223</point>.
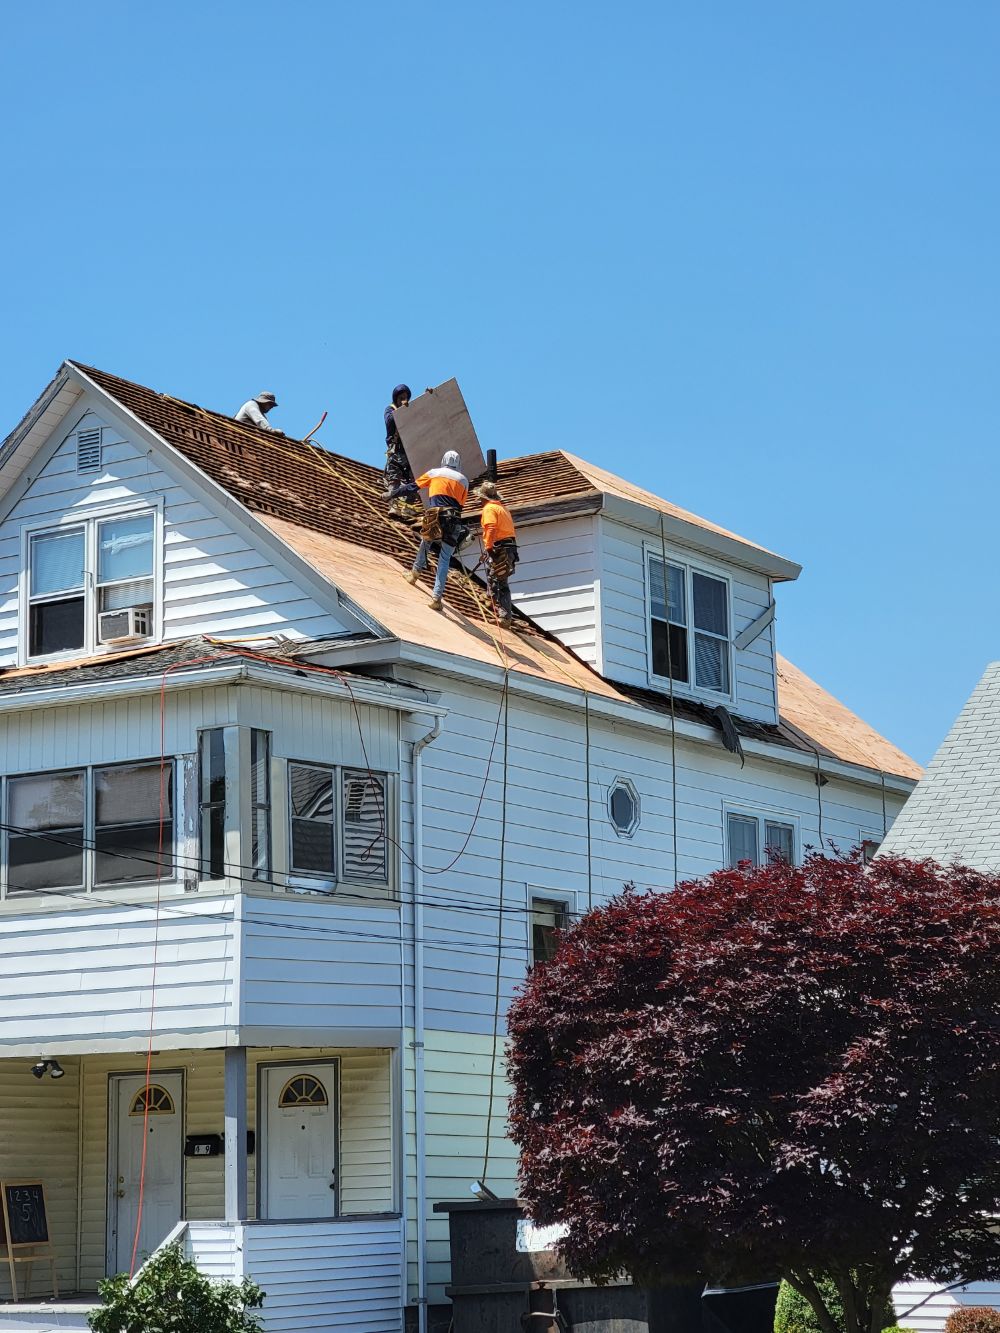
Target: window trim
<point>89,519</point>
<point>690,567</point>
<point>633,790</point>
<point>332,887</point>
<point>763,815</point>
<point>119,892</point>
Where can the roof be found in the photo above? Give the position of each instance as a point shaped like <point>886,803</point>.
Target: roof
<point>325,507</point>
<point>953,814</point>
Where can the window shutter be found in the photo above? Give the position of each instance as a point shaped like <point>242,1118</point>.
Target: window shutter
<point>88,450</point>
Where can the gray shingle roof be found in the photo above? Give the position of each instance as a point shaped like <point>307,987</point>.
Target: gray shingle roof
<point>954,811</point>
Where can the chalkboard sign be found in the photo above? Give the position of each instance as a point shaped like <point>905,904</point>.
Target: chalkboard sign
<point>24,1209</point>
<point>24,1229</point>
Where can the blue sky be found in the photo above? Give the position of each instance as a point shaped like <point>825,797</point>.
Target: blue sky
<point>745,254</point>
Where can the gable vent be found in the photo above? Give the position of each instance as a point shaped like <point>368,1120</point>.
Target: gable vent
<point>88,450</point>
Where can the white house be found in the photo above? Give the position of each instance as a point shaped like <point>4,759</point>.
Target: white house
<point>272,824</point>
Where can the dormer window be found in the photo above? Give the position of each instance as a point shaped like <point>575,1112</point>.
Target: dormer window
<point>79,572</point>
<point>689,627</point>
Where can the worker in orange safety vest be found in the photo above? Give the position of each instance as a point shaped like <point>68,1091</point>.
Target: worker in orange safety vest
<point>500,546</point>
<point>447,490</point>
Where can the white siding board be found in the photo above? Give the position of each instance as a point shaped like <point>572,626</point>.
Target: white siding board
<point>555,581</point>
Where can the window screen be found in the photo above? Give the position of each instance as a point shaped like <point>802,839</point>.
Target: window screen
<point>742,831</point>
<point>711,633</point>
<point>365,859</point>
<point>45,842</point>
<point>133,822</point>
<point>311,798</point>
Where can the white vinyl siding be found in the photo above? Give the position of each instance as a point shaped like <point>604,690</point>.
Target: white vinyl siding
<point>556,582</point>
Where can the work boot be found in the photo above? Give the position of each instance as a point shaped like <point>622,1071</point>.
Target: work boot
<point>435,604</point>
<point>506,621</point>
<point>411,576</point>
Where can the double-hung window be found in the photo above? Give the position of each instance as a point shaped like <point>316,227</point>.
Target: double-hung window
<point>759,839</point>
<point>86,829</point>
<point>689,618</point>
<point>78,572</point>
<point>338,826</point>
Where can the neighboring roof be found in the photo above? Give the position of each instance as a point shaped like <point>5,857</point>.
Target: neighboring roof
<point>325,506</point>
<point>953,814</point>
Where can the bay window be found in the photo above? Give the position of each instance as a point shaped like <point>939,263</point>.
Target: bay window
<point>689,626</point>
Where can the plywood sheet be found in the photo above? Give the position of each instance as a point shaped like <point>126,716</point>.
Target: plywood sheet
<point>434,423</point>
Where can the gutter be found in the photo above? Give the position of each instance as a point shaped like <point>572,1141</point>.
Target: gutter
<point>419,1088</point>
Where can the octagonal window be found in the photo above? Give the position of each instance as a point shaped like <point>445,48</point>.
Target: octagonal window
<point>623,806</point>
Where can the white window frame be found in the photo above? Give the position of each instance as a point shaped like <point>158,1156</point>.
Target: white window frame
<point>338,886</point>
<point>567,898</point>
<point>88,519</point>
<point>763,815</point>
<point>689,567</point>
<point>137,889</point>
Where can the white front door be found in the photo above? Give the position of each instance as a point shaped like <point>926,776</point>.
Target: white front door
<point>299,1134</point>
<point>163,1187</point>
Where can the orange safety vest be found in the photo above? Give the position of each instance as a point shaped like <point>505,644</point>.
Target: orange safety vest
<point>497,523</point>
<point>445,481</point>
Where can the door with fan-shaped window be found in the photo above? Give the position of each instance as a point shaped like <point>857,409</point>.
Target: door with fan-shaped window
<point>298,1105</point>
<point>146,1161</point>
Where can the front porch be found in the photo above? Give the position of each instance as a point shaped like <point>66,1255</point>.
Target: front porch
<point>308,1204</point>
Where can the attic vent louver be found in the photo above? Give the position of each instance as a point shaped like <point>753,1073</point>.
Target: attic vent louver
<point>88,450</point>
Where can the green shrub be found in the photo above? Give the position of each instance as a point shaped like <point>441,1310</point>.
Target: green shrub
<point>794,1314</point>
<point>171,1296</point>
<point>973,1319</point>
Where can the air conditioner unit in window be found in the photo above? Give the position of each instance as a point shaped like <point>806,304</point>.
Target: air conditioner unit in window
<point>125,626</point>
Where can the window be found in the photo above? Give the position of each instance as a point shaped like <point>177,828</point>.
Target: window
<point>45,813</point>
<point>748,834</point>
<point>623,807</point>
<point>133,822</point>
<point>77,572</point>
<point>689,626</point>
<point>125,563</point>
<point>338,824</point>
<point>56,615</point>
<point>212,802</point>
<point>870,843</point>
<point>260,803</point>
<point>547,917</point>
<point>158,1101</point>
<point>303,1090</point>
<point>88,828</point>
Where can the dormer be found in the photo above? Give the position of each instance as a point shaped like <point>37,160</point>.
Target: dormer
<point>652,596</point>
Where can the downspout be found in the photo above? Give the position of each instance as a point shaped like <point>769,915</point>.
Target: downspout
<point>418,1018</point>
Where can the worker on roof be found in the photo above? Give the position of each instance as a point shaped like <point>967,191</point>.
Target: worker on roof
<point>254,412</point>
<point>448,489</point>
<point>500,549</point>
<point>400,487</point>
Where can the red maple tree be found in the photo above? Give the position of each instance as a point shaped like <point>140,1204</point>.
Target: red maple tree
<point>774,1071</point>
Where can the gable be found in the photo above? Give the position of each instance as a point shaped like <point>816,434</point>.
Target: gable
<point>212,576</point>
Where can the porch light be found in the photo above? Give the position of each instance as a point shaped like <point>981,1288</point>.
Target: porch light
<point>53,1066</point>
